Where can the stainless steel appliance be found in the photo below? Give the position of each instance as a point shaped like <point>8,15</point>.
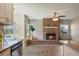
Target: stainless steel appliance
<point>16,49</point>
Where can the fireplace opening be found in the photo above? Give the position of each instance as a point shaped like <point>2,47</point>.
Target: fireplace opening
<point>50,36</point>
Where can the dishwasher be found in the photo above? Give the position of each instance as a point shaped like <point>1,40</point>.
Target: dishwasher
<point>16,49</point>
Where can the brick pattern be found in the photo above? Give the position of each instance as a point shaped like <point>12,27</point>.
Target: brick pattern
<point>48,22</point>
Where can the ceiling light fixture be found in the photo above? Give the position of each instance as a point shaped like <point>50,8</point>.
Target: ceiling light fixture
<point>55,18</point>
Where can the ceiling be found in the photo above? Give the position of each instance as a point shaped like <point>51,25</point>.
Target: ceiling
<point>43,10</point>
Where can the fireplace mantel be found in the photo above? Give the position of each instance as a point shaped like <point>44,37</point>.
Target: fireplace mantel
<point>50,27</point>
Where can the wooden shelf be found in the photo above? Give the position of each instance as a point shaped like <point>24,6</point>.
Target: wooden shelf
<point>50,27</point>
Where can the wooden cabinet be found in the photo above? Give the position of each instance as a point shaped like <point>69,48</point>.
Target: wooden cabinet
<point>14,50</point>
<point>6,52</point>
<point>6,12</point>
<point>1,28</point>
<point>6,17</point>
<point>1,11</point>
<point>1,36</point>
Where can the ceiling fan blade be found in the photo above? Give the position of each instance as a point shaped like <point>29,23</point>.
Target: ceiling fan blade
<point>55,15</point>
<point>63,16</point>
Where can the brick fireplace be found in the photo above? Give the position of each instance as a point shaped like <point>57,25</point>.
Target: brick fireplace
<point>51,33</point>
<point>50,29</point>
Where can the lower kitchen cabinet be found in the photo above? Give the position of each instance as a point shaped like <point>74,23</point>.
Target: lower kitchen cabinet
<point>6,52</point>
<point>14,50</point>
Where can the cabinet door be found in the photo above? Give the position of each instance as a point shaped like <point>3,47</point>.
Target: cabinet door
<point>9,12</point>
<point>1,28</point>
<point>7,52</point>
<point>1,11</point>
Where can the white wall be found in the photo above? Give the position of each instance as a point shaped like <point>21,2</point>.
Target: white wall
<point>38,25</point>
<point>75,29</point>
<point>19,20</point>
<point>20,32</point>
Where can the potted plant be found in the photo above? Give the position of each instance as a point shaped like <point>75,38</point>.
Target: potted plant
<point>31,29</point>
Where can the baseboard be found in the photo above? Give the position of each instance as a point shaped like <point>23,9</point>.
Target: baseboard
<point>43,42</point>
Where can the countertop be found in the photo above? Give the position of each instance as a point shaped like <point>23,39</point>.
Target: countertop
<point>10,44</point>
<point>71,43</point>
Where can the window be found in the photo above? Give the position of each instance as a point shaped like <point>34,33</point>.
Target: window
<point>64,28</point>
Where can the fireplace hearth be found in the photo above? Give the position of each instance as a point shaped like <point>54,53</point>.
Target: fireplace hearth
<point>50,36</point>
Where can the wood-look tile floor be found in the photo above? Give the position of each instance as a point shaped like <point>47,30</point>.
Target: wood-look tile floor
<point>49,50</point>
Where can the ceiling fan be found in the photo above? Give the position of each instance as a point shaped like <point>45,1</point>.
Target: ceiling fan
<point>56,17</point>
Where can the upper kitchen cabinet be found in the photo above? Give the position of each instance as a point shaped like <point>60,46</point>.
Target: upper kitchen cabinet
<point>1,11</point>
<point>6,13</point>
